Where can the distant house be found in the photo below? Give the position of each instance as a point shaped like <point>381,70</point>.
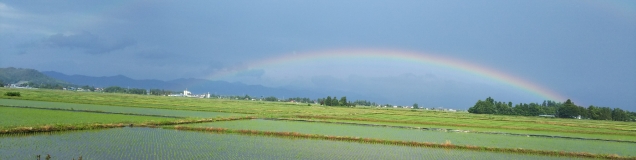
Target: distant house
<point>21,84</point>
<point>547,115</point>
<point>187,93</point>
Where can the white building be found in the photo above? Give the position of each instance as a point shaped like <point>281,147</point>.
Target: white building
<point>187,93</point>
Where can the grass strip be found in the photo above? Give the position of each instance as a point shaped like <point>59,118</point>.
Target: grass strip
<point>70,127</point>
<point>446,145</point>
<point>93,111</point>
<point>459,125</point>
<point>524,119</point>
<point>447,130</point>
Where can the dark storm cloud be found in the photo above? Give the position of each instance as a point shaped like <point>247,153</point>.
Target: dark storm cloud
<point>561,45</point>
<point>87,42</point>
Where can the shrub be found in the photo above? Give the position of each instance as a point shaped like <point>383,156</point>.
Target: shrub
<point>12,94</point>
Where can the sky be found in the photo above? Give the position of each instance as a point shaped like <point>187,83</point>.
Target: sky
<point>434,53</point>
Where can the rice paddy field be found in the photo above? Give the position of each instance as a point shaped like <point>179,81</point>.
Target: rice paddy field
<point>152,143</point>
<point>114,109</point>
<point>67,125</point>
<point>459,138</point>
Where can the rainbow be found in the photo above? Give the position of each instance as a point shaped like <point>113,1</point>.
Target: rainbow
<point>401,56</point>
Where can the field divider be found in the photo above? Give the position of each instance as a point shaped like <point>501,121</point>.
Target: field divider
<point>93,111</point>
<point>446,145</point>
<point>459,125</point>
<point>448,130</point>
<point>514,120</point>
<point>73,127</point>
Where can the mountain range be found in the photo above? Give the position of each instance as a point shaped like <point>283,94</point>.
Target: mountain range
<point>196,86</point>
<point>191,84</point>
<point>15,75</point>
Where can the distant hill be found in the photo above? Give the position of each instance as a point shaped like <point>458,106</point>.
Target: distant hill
<point>107,81</point>
<point>14,75</point>
<point>196,86</point>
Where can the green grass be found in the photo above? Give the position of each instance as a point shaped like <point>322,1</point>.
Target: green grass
<point>24,117</point>
<point>495,123</point>
<point>474,139</point>
<point>200,108</point>
<point>475,129</point>
<point>115,109</point>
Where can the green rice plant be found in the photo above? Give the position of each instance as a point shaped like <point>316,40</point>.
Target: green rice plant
<point>149,143</point>
<point>454,124</point>
<point>24,120</point>
<point>114,109</point>
<point>408,134</point>
<point>446,145</point>
<point>198,111</point>
<point>26,117</point>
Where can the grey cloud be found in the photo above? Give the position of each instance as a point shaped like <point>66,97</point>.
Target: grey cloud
<point>88,42</point>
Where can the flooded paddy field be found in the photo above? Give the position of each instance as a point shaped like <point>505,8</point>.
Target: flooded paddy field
<point>155,143</point>
<point>115,109</point>
<point>458,138</point>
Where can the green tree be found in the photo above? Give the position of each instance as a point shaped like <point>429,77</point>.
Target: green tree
<point>568,110</point>
<point>334,101</point>
<point>343,101</point>
<point>504,109</point>
<point>415,106</point>
<point>535,110</point>
<point>522,109</point>
<point>271,98</point>
<point>594,112</point>
<point>328,101</point>
<point>605,113</point>
<point>619,115</point>
<point>631,115</point>
<point>483,107</point>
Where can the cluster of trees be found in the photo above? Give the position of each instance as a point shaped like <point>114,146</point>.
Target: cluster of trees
<point>270,98</point>
<point>561,110</point>
<point>329,101</point>
<point>49,86</point>
<point>117,89</point>
<point>160,92</point>
<point>301,100</point>
<point>245,97</point>
<point>12,94</point>
<point>364,103</point>
<point>335,102</point>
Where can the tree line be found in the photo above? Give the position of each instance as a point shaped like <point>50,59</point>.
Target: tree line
<point>557,109</point>
<point>117,89</point>
<point>161,92</point>
<point>335,102</point>
<point>364,103</point>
